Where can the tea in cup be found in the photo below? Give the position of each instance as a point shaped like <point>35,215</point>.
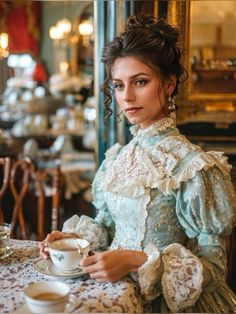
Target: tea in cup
<point>66,253</point>
<point>5,246</point>
<point>47,296</point>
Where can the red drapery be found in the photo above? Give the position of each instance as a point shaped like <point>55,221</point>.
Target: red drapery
<point>20,19</point>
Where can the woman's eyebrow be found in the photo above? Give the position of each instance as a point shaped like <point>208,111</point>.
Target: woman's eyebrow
<point>132,77</point>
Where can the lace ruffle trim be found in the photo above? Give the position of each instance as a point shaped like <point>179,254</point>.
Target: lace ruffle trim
<point>154,129</point>
<point>88,229</point>
<point>176,273</point>
<point>150,273</point>
<point>135,170</point>
<point>202,161</point>
<point>113,151</point>
<point>182,277</point>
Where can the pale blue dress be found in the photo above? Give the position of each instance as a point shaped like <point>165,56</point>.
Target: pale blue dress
<point>165,196</point>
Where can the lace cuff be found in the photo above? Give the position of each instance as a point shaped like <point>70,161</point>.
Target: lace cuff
<point>88,229</point>
<point>182,277</point>
<point>150,273</point>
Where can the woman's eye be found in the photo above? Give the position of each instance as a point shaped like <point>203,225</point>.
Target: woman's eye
<point>118,86</point>
<point>140,82</point>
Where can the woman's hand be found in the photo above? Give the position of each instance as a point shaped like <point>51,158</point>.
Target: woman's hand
<point>55,235</point>
<point>112,265</point>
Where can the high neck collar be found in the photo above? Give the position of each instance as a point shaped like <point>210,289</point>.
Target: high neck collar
<point>153,129</point>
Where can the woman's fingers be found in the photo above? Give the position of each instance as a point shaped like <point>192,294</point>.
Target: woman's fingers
<point>92,265</point>
<point>98,267</point>
<point>91,269</point>
<point>43,250</point>
<point>44,254</point>
<point>88,260</point>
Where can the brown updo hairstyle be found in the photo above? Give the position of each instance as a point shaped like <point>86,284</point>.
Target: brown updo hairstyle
<point>152,41</point>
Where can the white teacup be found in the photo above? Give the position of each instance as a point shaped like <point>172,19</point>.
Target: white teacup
<point>47,296</point>
<point>65,253</point>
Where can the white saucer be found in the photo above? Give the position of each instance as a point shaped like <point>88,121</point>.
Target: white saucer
<point>70,306</point>
<point>47,268</point>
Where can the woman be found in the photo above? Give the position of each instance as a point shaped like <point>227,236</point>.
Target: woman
<point>164,206</point>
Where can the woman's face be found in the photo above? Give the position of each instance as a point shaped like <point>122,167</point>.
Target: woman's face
<point>139,91</point>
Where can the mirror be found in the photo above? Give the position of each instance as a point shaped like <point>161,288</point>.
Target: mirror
<point>213,47</point>
<point>209,40</point>
<point>86,41</point>
<point>82,48</point>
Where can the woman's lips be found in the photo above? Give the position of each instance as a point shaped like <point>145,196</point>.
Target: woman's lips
<point>133,109</point>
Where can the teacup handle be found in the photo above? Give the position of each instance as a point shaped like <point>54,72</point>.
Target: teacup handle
<point>84,251</point>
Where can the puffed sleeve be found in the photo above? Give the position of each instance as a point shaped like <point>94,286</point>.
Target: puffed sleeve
<point>206,210</point>
<point>98,231</point>
<point>205,207</point>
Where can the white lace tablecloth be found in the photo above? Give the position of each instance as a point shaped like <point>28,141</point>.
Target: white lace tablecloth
<point>18,270</point>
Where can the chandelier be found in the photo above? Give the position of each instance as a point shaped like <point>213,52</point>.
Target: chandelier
<point>86,31</point>
<point>60,32</point>
<point>64,33</point>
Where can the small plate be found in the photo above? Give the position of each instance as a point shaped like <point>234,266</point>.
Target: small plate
<point>47,268</point>
<point>70,306</point>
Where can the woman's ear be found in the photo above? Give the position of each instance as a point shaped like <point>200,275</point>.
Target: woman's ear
<point>170,84</point>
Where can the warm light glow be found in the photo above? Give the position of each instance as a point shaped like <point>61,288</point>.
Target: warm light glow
<point>220,106</point>
<point>55,33</point>
<point>63,67</point>
<point>64,26</point>
<point>60,32</point>
<point>4,40</point>
<point>3,45</point>
<point>86,28</point>
<point>74,38</point>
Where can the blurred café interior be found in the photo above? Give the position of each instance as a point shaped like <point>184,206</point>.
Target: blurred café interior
<point>52,131</point>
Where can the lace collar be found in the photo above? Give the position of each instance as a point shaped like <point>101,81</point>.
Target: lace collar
<point>153,129</point>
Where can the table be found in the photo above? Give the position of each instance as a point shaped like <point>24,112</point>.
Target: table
<point>78,171</point>
<point>77,168</point>
<point>18,270</point>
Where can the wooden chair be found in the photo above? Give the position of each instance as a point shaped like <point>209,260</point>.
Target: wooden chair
<point>20,175</point>
<point>50,178</point>
<point>26,185</point>
<point>5,163</point>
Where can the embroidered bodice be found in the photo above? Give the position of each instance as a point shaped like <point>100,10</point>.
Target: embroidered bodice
<point>156,193</point>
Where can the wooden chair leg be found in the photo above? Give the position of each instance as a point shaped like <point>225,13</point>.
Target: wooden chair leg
<point>40,205</point>
<point>6,165</point>
<point>40,177</point>
<point>25,167</point>
<point>56,199</point>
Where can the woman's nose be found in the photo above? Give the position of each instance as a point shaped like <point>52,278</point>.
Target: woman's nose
<point>128,94</point>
